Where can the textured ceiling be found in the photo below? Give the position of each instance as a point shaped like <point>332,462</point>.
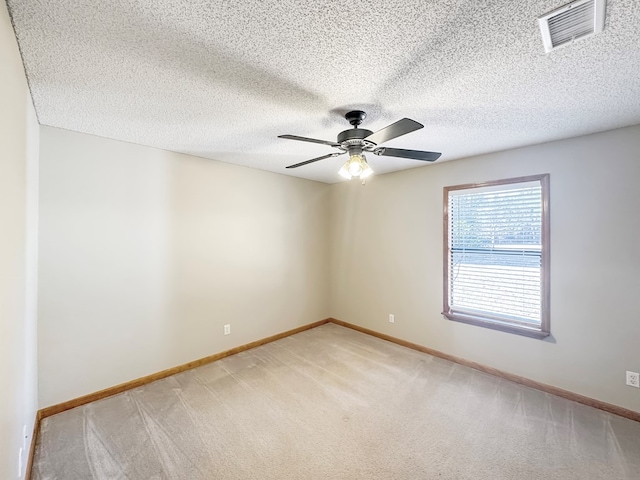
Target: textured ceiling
<point>221,79</point>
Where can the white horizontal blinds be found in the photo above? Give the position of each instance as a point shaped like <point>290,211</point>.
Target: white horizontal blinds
<point>496,252</point>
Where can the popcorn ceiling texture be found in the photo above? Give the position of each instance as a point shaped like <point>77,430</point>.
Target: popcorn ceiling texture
<point>222,79</point>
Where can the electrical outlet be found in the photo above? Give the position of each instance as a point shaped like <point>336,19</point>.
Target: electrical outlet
<point>633,379</point>
<point>24,437</point>
<point>20,464</point>
<point>227,329</point>
<point>392,318</point>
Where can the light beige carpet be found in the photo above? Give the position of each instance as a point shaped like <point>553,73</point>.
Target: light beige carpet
<point>332,403</point>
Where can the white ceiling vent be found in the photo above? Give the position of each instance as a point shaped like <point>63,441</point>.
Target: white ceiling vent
<point>578,19</point>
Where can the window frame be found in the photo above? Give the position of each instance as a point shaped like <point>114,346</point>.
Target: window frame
<point>487,321</point>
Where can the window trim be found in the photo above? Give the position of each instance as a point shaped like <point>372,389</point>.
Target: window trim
<point>496,323</point>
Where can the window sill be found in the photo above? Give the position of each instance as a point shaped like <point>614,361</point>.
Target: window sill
<point>496,325</point>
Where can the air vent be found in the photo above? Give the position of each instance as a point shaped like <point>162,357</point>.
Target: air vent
<point>578,19</point>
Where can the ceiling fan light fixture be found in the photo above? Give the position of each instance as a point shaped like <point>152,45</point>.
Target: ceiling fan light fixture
<point>356,166</point>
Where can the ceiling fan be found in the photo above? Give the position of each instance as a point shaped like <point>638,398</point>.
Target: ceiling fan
<point>356,141</point>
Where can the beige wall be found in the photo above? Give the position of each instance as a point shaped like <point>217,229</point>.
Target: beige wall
<point>18,251</point>
<point>387,258</point>
<point>145,255</point>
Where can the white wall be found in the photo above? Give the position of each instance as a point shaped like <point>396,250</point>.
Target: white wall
<point>145,255</point>
<point>387,258</point>
<point>18,250</point>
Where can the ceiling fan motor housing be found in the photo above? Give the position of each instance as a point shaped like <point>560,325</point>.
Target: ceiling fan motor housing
<point>353,136</point>
<point>353,141</point>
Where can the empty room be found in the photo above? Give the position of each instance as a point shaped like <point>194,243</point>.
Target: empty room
<point>319,240</point>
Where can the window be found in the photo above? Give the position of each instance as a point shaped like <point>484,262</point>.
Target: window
<point>496,255</point>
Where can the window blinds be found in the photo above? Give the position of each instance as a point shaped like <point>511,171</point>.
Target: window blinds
<point>495,243</point>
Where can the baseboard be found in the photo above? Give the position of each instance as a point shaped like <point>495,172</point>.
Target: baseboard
<point>32,447</point>
<point>108,392</point>
<point>607,407</point>
<point>61,407</point>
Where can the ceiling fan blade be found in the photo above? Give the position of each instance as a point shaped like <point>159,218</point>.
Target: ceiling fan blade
<point>315,159</point>
<point>401,127</point>
<point>306,139</point>
<point>412,154</point>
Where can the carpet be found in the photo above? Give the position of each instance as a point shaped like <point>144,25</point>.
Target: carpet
<point>333,403</point>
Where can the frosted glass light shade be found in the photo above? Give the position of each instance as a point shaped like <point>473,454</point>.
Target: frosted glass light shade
<point>356,166</point>
<point>344,171</point>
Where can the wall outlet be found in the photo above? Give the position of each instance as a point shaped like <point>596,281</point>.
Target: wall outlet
<point>24,437</point>
<point>227,329</point>
<point>20,463</point>
<point>392,318</point>
<point>633,379</point>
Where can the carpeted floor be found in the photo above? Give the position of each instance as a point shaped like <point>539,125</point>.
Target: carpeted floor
<point>332,403</point>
